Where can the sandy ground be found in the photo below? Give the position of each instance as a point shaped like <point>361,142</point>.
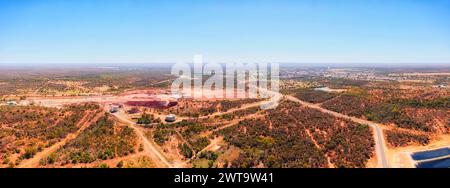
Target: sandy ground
<point>172,151</point>
<point>397,157</point>
<point>380,144</point>
<point>149,146</point>
<point>85,123</point>
<point>156,155</point>
<point>401,157</point>
<point>59,101</point>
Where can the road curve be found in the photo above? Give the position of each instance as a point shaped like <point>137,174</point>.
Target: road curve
<point>380,146</point>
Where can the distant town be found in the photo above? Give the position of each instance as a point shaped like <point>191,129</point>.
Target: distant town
<point>381,117</point>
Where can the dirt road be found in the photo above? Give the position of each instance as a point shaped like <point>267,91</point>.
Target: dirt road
<point>148,146</point>
<point>214,142</point>
<point>380,145</point>
<point>243,107</point>
<point>85,123</point>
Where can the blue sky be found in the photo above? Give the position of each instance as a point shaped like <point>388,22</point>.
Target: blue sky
<point>145,31</point>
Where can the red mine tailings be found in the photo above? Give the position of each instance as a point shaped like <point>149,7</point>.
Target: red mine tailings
<point>172,103</point>
<point>152,104</point>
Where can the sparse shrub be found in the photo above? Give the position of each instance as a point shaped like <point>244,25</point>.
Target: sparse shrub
<point>185,150</point>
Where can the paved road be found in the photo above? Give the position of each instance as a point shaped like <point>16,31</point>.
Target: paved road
<point>380,145</point>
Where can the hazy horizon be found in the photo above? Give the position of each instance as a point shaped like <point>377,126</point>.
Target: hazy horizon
<point>169,64</point>
<point>402,32</point>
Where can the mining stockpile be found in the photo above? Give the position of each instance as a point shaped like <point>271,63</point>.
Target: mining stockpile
<point>152,104</point>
